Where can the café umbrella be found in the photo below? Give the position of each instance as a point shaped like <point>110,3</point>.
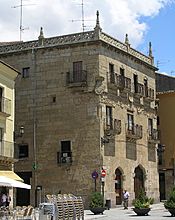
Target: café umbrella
<point>8,182</point>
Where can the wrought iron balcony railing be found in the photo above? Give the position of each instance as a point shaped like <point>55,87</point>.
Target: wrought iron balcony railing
<point>139,89</point>
<point>153,135</point>
<point>6,148</point>
<point>5,106</point>
<point>64,157</point>
<point>79,77</point>
<point>121,82</point>
<point>113,128</point>
<point>134,131</point>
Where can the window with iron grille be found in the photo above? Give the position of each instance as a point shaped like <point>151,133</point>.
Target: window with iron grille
<point>77,71</point>
<point>25,72</point>
<point>23,151</point>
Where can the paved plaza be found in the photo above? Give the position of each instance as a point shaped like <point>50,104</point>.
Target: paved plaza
<point>158,212</point>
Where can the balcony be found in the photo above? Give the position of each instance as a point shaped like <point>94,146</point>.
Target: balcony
<point>113,129</point>
<point>139,89</point>
<point>78,78</point>
<point>6,149</point>
<point>149,93</point>
<point>5,106</point>
<point>134,131</point>
<point>121,82</point>
<point>64,157</point>
<point>153,136</point>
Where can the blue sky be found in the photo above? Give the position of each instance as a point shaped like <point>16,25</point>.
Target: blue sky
<point>142,20</point>
<point>162,35</point>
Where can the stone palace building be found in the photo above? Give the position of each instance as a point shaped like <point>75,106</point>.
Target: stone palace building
<point>86,102</point>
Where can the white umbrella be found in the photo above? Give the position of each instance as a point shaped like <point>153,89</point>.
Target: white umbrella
<point>5,181</point>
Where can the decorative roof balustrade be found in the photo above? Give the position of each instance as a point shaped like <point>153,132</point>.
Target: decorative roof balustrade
<point>74,38</point>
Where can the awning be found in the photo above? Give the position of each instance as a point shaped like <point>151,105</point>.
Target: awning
<point>5,181</point>
<point>10,174</point>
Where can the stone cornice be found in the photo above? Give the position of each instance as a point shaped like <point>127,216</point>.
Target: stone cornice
<point>81,37</point>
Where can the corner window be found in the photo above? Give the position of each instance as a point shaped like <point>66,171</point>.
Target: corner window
<point>25,72</point>
<point>23,151</point>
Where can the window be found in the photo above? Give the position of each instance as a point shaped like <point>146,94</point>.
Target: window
<point>130,122</point>
<point>25,72</point>
<point>111,73</point>
<point>23,151</point>
<point>65,156</point>
<point>146,87</point>
<point>77,71</point>
<point>135,83</point>
<point>1,99</point>
<point>1,134</point>
<point>53,99</point>
<point>109,117</point>
<point>122,72</point>
<point>150,126</point>
<point>158,120</point>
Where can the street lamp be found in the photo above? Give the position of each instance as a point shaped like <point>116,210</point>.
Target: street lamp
<point>21,132</point>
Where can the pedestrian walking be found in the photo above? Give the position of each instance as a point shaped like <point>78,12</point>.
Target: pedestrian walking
<point>125,199</point>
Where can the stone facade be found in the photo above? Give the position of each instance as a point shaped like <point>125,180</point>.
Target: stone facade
<point>166,108</point>
<point>84,100</point>
<point>7,101</point>
<point>164,83</point>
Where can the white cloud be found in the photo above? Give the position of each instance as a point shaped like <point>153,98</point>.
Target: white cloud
<point>117,17</point>
<point>126,17</point>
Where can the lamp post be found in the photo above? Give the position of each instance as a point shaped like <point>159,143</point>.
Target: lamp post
<point>20,134</point>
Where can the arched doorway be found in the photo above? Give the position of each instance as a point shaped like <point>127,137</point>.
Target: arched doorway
<point>138,180</point>
<point>118,186</point>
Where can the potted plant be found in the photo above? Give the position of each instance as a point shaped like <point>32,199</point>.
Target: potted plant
<point>170,203</point>
<point>142,203</point>
<point>96,203</point>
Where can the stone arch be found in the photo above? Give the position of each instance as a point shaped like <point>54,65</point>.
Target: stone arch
<point>139,179</point>
<point>119,185</point>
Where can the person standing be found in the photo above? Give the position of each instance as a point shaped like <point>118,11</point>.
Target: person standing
<point>125,199</point>
<point>4,199</point>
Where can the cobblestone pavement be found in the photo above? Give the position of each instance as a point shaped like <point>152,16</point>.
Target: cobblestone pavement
<point>158,212</point>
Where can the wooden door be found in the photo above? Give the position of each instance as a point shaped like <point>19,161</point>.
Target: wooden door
<point>118,186</point>
<point>138,181</point>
